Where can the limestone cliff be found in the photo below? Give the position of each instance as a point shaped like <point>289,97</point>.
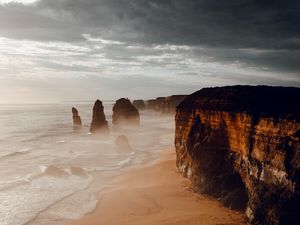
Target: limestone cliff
<point>99,123</point>
<point>241,144</point>
<point>165,105</point>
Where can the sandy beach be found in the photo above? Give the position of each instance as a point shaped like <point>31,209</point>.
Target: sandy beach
<point>158,195</point>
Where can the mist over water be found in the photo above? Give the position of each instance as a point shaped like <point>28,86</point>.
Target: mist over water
<point>50,173</point>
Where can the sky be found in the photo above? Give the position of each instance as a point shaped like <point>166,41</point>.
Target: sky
<point>80,50</point>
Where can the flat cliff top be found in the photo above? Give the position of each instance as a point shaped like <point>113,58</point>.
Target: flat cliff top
<point>267,101</point>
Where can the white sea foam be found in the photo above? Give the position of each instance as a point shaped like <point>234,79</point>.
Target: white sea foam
<point>18,152</point>
<point>23,202</point>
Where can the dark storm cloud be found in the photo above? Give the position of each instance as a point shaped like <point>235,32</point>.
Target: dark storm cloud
<point>225,28</point>
<point>236,23</point>
<point>283,60</point>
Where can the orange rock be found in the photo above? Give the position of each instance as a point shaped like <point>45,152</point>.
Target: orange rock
<point>241,145</point>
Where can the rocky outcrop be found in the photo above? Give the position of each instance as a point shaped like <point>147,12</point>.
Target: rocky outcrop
<point>99,123</point>
<point>165,105</point>
<point>241,144</point>
<point>76,118</point>
<point>139,104</point>
<point>124,113</point>
<point>122,143</point>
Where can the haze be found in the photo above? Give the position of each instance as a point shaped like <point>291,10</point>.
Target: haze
<point>67,50</point>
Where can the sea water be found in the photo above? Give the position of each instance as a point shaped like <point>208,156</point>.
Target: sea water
<point>51,173</point>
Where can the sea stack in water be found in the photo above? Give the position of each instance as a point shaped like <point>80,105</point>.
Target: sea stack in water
<point>99,123</point>
<point>76,118</point>
<point>124,113</point>
<point>122,143</point>
<point>241,144</point>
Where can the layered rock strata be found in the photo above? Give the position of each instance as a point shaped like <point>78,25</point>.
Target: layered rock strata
<point>76,118</point>
<point>241,144</point>
<point>124,113</point>
<point>165,105</point>
<point>99,123</point>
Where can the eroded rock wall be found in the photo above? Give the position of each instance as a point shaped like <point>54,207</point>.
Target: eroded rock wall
<point>165,105</point>
<point>241,145</point>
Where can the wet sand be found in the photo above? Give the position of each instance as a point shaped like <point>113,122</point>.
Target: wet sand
<point>157,195</point>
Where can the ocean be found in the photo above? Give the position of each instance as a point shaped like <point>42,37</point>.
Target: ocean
<point>51,174</point>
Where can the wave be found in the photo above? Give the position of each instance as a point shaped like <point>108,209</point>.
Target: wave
<point>44,171</point>
<point>118,154</point>
<point>58,172</point>
<point>53,185</point>
<point>38,136</point>
<point>123,162</point>
<point>55,171</point>
<point>12,184</point>
<point>54,130</point>
<point>119,165</point>
<point>19,152</point>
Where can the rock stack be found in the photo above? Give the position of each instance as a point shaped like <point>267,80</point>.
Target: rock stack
<point>76,118</point>
<point>124,113</point>
<point>99,123</point>
<point>122,143</point>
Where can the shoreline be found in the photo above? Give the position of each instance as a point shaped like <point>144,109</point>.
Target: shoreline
<point>157,194</point>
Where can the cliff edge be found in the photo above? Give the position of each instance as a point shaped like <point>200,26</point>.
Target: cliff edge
<point>165,105</point>
<point>241,144</point>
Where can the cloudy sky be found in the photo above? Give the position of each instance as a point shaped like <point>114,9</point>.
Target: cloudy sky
<point>66,50</point>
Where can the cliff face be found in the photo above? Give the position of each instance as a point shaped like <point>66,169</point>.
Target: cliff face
<point>124,113</point>
<point>165,105</point>
<point>150,104</point>
<point>99,123</point>
<point>241,144</point>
